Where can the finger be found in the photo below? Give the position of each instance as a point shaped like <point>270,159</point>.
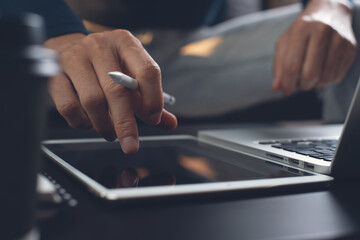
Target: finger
<point>143,68</point>
<point>346,61</point>
<point>168,121</point>
<point>315,58</point>
<point>67,103</point>
<point>118,97</point>
<point>90,93</point>
<point>332,61</point>
<point>293,63</point>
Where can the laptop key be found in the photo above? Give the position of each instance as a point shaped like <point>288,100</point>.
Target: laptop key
<point>308,153</point>
<point>332,142</point>
<point>322,147</point>
<point>318,156</point>
<point>316,148</point>
<point>290,149</point>
<point>323,151</point>
<point>268,142</point>
<point>299,141</point>
<point>284,141</point>
<point>298,146</point>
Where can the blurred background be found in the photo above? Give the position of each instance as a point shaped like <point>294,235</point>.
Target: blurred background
<point>99,15</point>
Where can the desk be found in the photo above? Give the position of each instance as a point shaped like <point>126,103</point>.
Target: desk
<point>326,214</point>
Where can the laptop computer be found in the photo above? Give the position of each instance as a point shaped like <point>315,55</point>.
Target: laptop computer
<point>327,149</point>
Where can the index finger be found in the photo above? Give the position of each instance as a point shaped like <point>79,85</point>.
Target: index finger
<point>118,98</point>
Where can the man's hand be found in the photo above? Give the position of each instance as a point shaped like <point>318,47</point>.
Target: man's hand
<point>317,49</point>
<point>86,96</point>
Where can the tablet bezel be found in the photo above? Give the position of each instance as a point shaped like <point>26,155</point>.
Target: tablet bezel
<point>179,190</point>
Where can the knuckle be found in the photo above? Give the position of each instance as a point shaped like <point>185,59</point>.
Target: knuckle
<point>150,72</point>
<point>69,57</point>
<point>127,37</point>
<point>115,90</point>
<point>93,101</point>
<point>68,109</point>
<point>123,32</point>
<point>153,109</point>
<point>125,126</point>
<point>96,41</point>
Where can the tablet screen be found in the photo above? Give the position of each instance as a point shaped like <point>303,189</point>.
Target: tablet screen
<point>166,162</point>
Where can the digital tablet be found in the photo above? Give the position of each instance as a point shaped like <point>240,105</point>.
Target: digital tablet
<point>167,166</point>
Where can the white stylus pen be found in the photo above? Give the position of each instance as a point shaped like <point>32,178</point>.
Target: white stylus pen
<point>132,84</point>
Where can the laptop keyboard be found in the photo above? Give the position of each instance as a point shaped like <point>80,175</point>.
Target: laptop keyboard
<point>321,149</point>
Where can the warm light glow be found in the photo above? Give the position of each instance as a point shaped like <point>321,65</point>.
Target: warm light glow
<point>203,48</point>
<point>145,38</point>
<point>198,165</point>
<point>142,173</point>
<point>94,27</point>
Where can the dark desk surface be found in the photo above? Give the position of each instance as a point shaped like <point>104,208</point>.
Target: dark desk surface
<point>332,213</point>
